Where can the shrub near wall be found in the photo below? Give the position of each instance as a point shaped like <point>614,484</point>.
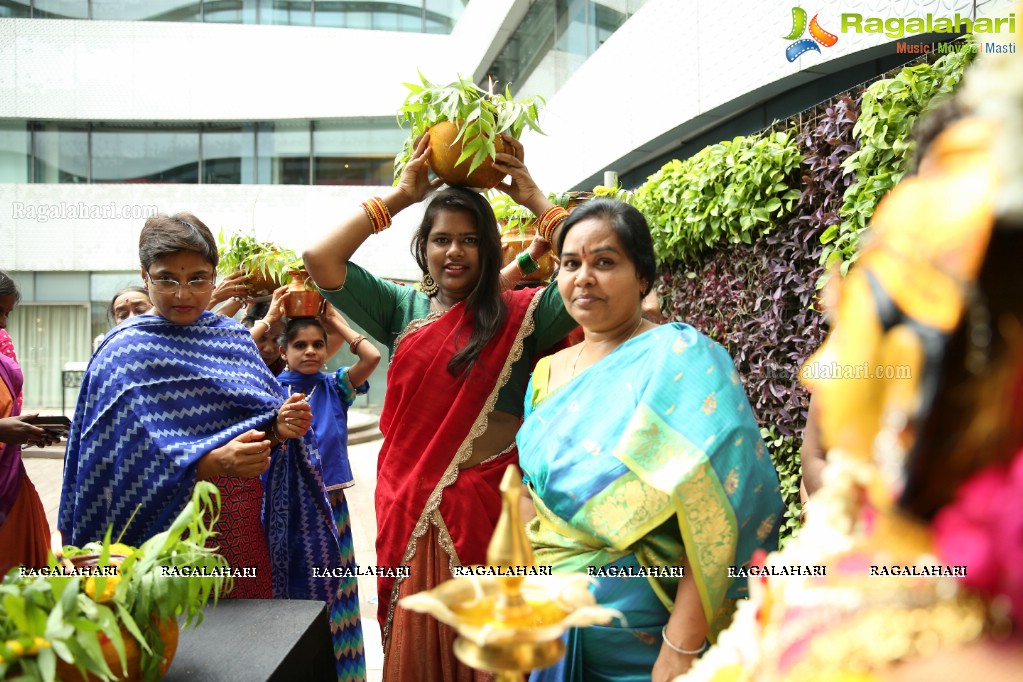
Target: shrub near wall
<point>731,192</point>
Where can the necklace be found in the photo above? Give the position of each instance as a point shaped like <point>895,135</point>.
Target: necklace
<point>308,395</point>
<point>582,346</point>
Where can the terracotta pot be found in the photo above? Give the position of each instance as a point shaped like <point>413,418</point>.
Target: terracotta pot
<point>446,152</point>
<point>576,198</point>
<point>133,656</point>
<point>303,299</point>
<point>515,242</point>
<point>261,284</point>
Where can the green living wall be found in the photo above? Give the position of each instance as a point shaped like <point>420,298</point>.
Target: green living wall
<point>748,230</point>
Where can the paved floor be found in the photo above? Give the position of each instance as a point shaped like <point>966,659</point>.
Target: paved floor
<point>45,468</point>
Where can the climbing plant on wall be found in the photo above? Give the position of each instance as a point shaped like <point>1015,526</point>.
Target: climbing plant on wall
<point>744,230</point>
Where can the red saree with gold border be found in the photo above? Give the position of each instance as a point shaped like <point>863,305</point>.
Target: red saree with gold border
<point>423,499</point>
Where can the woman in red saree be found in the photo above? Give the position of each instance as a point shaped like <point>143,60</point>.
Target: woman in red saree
<point>460,357</point>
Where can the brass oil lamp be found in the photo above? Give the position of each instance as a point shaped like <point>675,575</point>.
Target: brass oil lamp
<point>511,620</point>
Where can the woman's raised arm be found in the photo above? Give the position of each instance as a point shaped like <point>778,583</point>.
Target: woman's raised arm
<point>327,260</point>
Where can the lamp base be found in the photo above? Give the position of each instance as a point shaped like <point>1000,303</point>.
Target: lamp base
<point>509,661</point>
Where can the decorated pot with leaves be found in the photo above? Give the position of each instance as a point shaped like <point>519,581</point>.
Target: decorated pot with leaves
<point>518,228</point>
<point>450,160</point>
<point>303,299</point>
<point>119,621</point>
<point>465,124</point>
<point>265,264</point>
<point>132,669</point>
<point>515,241</point>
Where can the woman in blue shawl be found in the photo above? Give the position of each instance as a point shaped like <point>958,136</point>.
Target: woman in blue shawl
<point>180,395</point>
<point>643,460</point>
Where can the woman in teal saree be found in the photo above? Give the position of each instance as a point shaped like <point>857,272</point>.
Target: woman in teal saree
<point>641,455</point>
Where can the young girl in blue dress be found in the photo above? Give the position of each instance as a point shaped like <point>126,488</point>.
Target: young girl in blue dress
<point>304,349</point>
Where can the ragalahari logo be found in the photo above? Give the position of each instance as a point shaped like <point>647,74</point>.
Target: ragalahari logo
<point>803,45</point>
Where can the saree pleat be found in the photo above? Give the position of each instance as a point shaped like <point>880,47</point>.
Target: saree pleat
<point>345,617</point>
<point>421,647</point>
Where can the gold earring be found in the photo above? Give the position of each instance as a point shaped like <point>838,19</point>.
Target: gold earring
<point>428,285</point>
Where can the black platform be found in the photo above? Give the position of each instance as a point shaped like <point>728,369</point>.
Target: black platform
<point>256,640</point>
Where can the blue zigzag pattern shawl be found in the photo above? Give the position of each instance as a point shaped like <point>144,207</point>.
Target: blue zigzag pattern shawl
<point>155,398</point>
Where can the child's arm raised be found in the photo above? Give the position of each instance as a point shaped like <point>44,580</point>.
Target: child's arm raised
<point>338,333</point>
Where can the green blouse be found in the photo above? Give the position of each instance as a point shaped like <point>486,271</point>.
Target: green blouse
<point>384,309</point>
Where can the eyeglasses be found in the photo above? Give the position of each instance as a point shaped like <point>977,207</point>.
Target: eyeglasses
<point>171,286</point>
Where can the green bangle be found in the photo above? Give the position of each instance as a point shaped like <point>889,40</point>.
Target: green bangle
<point>526,263</point>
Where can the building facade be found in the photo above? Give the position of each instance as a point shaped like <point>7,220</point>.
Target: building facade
<point>277,117</point>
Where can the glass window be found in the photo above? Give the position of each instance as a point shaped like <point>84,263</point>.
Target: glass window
<point>442,15</point>
<point>608,17</point>
<point>344,170</point>
<point>15,151</point>
<point>103,285</point>
<point>286,12</point>
<point>61,153</point>
<point>147,10</point>
<point>60,9</point>
<point>573,36</point>
<point>231,11</point>
<point>355,152</point>
<point>380,15</point>
<point>46,337</point>
<point>139,154</point>
<point>282,149</point>
<point>570,29</point>
<point>229,154</point>
<point>26,282</point>
<point>62,286</point>
<point>15,9</point>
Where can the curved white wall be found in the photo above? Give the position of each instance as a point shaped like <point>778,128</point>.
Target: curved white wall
<point>148,70</point>
<point>293,216</point>
<point>675,66</point>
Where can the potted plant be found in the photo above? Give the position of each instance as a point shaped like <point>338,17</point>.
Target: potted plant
<point>120,622</point>
<point>303,298</point>
<point>569,200</point>
<point>465,125</point>
<point>518,228</point>
<point>266,264</point>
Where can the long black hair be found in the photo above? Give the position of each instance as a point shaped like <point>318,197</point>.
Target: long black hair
<point>484,304</point>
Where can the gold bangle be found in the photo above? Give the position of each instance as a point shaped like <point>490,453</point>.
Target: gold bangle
<point>376,211</point>
<point>550,220</point>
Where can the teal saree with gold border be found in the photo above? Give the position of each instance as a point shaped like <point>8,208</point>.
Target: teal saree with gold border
<point>650,455</point>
